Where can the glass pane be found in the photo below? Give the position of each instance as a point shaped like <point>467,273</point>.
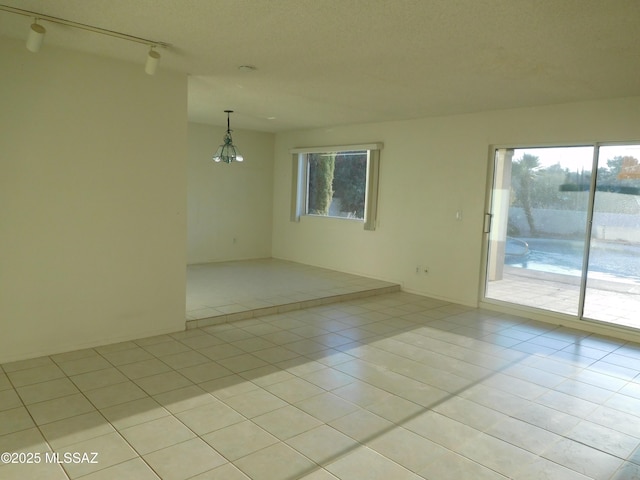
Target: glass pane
<point>337,184</point>
<point>539,216</point>
<point>613,275</point>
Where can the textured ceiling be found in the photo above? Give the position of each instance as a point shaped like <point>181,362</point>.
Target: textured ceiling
<point>324,63</point>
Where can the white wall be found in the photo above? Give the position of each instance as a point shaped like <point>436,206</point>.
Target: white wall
<point>92,201</point>
<point>229,205</point>
<point>430,168</point>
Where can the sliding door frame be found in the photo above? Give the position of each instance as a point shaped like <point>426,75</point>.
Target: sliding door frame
<point>588,230</point>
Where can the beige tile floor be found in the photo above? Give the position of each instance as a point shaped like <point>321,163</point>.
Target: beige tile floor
<point>394,386</point>
<point>227,291</point>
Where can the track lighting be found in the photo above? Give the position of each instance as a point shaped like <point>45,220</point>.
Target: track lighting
<point>36,37</point>
<point>37,32</point>
<point>153,58</point>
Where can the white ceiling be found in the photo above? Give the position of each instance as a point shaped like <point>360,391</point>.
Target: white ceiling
<point>324,63</point>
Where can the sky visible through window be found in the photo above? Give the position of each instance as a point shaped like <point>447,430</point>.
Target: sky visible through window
<point>577,157</point>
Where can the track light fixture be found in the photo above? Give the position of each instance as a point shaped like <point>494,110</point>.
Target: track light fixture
<point>37,32</point>
<point>153,58</point>
<point>36,37</point>
<point>227,152</point>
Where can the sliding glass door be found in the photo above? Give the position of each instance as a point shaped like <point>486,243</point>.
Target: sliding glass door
<point>613,271</point>
<point>538,227</point>
<point>564,236</point>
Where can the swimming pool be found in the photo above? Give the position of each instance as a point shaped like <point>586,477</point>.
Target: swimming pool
<point>565,257</point>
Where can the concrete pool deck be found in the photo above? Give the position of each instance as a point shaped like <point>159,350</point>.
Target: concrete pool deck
<point>609,300</point>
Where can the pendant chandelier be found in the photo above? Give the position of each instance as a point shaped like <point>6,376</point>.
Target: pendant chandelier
<point>227,152</point>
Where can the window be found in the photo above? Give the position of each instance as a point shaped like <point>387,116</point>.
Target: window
<point>340,182</point>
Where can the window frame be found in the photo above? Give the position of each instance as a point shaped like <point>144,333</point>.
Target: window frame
<point>300,179</point>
